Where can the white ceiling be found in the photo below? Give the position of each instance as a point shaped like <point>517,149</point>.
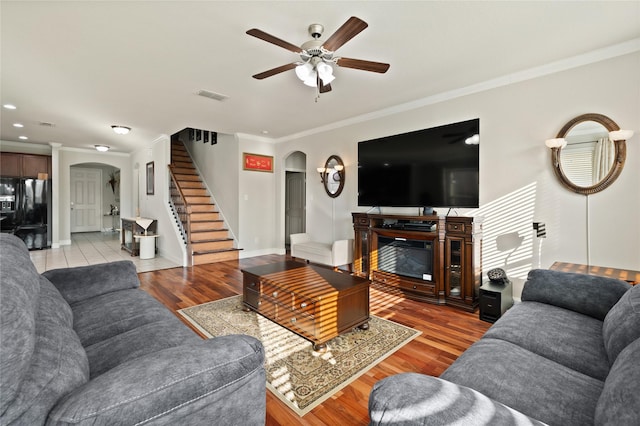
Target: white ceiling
<point>83,65</point>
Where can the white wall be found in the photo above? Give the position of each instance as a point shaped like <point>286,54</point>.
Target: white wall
<point>257,196</point>
<point>517,184</point>
<point>156,205</point>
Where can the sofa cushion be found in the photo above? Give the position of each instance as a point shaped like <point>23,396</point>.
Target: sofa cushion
<point>438,402</point>
<point>222,378</point>
<point>19,289</point>
<point>57,365</point>
<point>61,313</point>
<point>102,317</point>
<point>85,282</point>
<point>527,382</point>
<point>622,323</point>
<point>576,344</point>
<point>619,402</point>
<point>587,294</point>
<point>140,341</point>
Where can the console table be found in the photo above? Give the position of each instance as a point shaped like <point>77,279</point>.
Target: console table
<point>130,229</point>
<point>451,244</point>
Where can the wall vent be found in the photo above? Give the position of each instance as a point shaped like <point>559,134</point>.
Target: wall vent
<point>212,95</point>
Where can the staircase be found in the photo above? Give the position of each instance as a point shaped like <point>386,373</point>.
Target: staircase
<point>202,228</point>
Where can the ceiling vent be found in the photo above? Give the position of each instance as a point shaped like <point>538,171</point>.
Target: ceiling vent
<point>45,124</point>
<point>212,95</point>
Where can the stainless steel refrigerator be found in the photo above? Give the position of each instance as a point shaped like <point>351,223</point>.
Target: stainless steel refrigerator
<point>26,210</point>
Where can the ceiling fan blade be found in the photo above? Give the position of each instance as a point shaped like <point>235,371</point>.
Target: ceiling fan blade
<point>274,71</point>
<point>359,64</point>
<point>346,32</point>
<point>273,40</point>
<point>323,88</point>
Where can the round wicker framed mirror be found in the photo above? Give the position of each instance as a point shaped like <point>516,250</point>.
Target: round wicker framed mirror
<point>590,161</point>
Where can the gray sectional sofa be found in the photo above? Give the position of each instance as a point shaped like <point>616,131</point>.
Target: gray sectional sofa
<point>569,354</point>
<point>86,346</point>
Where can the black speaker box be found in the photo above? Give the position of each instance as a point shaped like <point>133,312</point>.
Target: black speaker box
<point>495,299</point>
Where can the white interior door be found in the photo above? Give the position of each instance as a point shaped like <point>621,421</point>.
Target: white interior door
<point>86,200</point>
<point>295,200</point>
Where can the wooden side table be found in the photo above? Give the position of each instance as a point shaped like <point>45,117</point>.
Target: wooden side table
<point>628,275</point>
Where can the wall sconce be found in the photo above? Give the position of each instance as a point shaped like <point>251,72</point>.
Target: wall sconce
<point>325,172</point>
<point>340,169</point>
<point>556,143</point>
<point>620,135</point>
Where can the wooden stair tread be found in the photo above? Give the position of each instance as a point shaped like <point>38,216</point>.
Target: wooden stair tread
<point>213,240</point>
<point>195,253</point>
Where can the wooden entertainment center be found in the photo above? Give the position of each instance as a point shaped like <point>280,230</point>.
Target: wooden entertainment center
<point>455,243</point>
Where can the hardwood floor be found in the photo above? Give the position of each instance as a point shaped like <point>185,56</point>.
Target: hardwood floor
<point>446,333</point>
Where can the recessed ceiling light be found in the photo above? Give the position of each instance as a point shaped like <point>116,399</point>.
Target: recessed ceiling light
<point>121,130</point>
<point>9,106</point>
<point>102,148</point>
<point>265,132</point>
<point>24,138</point>
<point>18,125</point>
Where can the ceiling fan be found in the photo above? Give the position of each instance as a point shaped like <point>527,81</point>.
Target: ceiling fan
<point>317,56</point>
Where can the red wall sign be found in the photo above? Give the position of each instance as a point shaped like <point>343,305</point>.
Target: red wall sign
<point>257,162</point>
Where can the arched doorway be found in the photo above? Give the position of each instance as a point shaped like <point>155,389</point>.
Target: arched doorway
<point>295,213</point>
<point>95,197</point>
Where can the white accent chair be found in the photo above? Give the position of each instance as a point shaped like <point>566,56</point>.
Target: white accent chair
<point>333,254</point>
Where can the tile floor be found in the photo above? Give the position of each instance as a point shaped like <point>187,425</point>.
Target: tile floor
<point>90,248</point>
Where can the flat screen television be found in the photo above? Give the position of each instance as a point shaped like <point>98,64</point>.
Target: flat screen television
<point>436,167</point>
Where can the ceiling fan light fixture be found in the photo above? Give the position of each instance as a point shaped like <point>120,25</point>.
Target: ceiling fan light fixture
<point>325,71</point>
<point>327,79</point>
<point>304,71</point>
<point>312,80</point>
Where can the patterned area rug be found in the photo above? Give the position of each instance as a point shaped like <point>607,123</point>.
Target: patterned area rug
<point>299,376</point>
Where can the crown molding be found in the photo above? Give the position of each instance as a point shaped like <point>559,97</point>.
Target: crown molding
<point>599,55</point>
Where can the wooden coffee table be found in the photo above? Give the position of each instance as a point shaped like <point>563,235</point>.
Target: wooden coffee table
<point>314,302</point>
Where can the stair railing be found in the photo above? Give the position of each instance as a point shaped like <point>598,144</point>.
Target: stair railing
<point>183,210</point>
